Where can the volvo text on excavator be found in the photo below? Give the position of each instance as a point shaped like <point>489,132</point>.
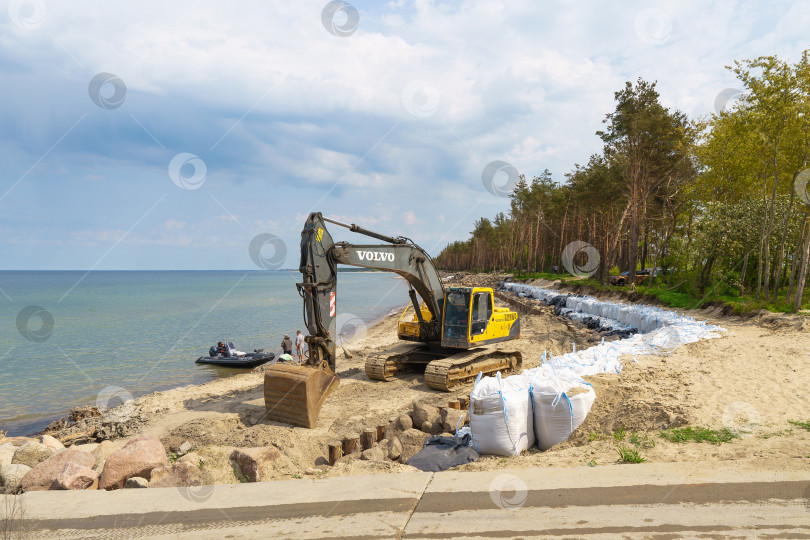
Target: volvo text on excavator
<point>446,334</point>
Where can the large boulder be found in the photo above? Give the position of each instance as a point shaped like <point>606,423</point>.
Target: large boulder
<point>412,442</point>
<point>43,476</point>
<point>431,428</point>
<point>32,454</point>
<point>100,454</point>
<point>452,418</point>
<point>11,476</point>
<point>375,453</point>
<point>249,461</point>
<point>423,412</point>
<point>176,475</point>
<point>398,425</point>
<point>137,458</point>
<point>52,443</point>
<point>394,449</point>
<point>7,451</point>
<point>74,476</point>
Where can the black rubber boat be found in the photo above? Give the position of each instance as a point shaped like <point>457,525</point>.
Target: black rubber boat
<point>232,357</point>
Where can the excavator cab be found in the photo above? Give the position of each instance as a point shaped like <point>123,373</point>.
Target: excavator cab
<point>471,319</point>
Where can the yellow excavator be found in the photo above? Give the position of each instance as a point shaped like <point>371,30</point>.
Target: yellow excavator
<point>445,335</point>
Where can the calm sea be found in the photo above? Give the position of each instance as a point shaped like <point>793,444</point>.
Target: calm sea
<point>107,335</point>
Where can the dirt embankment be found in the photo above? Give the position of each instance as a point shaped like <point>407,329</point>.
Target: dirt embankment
<point>754,378</point>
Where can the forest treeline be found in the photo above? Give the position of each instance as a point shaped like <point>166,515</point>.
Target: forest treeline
<point>718,204</point>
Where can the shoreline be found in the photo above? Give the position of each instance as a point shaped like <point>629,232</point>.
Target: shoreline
<point>373,323</point>
<point>48,420</point>
<point>750,380</point>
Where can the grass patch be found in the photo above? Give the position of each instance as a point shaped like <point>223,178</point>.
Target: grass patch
<point>592,463</point>
<point>699,434</point>
<point>641,441</point>
<point>629,455</point>
<point>593,436</point>
<point>619,433</point>
<point>803,425</point>
<point>781,433</point>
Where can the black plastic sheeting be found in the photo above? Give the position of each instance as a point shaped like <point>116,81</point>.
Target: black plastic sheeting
<point>442,453</point>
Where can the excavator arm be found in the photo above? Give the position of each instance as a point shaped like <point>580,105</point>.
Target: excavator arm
<point>318,266</point>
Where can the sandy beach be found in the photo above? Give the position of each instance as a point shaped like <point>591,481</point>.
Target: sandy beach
<point>752,380</point>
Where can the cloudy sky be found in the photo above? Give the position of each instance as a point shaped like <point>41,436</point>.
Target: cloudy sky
<point>168,135</point>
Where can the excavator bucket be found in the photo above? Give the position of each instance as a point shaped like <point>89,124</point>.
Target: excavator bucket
<point>294,394</point>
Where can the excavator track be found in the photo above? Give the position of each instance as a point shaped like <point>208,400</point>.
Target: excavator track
<point>384,366</point>
<point>441,373</point>
<point>445,373</point>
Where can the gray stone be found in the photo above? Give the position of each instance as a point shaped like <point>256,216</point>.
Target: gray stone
<point>431,428</point>
<point>11,476</point>
<point>424,413</point>
<point>52,443</point>
<point>394,449</point>
<point>32,454</point>
<point>452,418</point>
<point>185,448</point>
<point>7,451</point>
<point>375,453</point>
<point>136,482</point>
<point>177,474</point>
<point>100,454</point>
<point>404,422</point>
<point>412,441</point>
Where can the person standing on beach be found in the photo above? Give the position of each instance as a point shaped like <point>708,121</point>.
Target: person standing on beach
<point>299,345</point>
<point>286,344</point>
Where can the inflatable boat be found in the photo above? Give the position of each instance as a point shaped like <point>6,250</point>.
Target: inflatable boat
<point>231,357</point>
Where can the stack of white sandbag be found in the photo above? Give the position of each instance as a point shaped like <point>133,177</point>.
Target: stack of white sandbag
<point>560,403</point>
<point>501,421</point>
<point>543,405</point>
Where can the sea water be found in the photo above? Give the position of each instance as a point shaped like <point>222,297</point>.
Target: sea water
<point>94,335</point>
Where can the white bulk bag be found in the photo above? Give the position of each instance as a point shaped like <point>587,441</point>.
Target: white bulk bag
<point>500,416</point>
<point>557,415</point>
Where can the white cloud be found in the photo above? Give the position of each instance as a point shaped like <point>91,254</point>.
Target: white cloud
<point>306,118</point>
